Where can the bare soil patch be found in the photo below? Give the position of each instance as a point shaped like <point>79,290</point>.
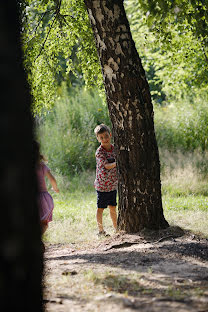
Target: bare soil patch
<point>147,272</point>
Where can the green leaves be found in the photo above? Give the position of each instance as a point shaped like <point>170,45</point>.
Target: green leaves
<point>66,133</point>
<point>171,37</point>
<point>58,44</point>
<point>57,40</point>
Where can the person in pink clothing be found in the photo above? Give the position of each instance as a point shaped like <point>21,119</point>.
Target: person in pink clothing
<point>45,200</point>
<point>106,181</point>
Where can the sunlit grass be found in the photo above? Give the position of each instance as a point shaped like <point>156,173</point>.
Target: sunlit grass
<point>189,212</point>
<point>74,216</point>
<point>195,221</point>
<point>184,174</point>
<point>185,193</point>
<point>185,203</point>
<point>74,219</point>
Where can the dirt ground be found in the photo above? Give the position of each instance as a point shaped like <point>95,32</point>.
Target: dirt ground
<point>147,272</point>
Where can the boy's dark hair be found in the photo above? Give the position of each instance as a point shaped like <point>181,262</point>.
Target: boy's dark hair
<point>101,129</point>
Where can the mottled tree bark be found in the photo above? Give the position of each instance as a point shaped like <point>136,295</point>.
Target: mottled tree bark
<point>131,113</point>
<point>20,248</point>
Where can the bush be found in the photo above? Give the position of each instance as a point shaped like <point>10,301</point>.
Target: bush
<point>67,132</point>
<point>182,125</point>
<point>67,137</point>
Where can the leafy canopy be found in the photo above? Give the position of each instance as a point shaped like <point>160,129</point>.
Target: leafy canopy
<point>161,14</point>
<point>171,38</point>
<point>53,31</point>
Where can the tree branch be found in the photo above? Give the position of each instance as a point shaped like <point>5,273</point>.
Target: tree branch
<point>57,13</point>
<point>46,38</point>
<point>36,28</point>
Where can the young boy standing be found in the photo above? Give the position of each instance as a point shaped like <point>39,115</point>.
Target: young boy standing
<point>106,178</point>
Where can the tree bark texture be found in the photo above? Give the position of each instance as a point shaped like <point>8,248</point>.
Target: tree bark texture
<point>20,248</point>
<point>131,113</point>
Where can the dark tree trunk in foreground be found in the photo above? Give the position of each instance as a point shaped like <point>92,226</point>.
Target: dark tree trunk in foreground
<point>20,253</point>
<point>131,112</point>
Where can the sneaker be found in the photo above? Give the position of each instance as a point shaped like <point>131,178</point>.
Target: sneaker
<point>103,234</point>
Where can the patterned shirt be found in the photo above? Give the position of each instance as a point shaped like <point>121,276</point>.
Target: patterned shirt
<point>106,179</point>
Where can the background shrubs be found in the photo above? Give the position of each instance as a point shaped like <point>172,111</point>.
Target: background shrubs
<point>182,125</point>
<point>67,132</point>
<point>67,137</point>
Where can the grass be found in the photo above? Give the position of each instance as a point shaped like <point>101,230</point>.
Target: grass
<point>74,217</point>
<point>185,192</point>
<point>185,203</point>
<point>134,284</point>
<point>115,282</point>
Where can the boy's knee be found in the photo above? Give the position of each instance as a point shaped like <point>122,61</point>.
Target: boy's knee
<point>112,208</point>
<point>100,210</point>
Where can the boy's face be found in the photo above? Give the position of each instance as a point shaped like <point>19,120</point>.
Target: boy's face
<point>104,138</point>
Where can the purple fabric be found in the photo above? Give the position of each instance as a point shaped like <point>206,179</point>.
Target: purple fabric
<point>41,172</point>
<point>45,201</point>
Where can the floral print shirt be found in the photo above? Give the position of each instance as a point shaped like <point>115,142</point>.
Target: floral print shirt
<point>106,179</point>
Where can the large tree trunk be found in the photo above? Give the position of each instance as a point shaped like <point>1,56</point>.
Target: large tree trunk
<point>20,248</point>
<point>131,112</point>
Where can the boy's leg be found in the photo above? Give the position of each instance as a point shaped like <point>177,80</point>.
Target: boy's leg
<point>113,215</point>
<point>100,219</point>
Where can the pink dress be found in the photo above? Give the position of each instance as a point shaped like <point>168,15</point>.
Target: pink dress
<point>45,201</point>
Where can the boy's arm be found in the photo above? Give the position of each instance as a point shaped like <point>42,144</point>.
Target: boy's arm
<point>103,162</point>
<point>110,165</point>
<point>52,181</point>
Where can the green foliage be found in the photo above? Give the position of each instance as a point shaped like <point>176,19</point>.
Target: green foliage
<point>67,137</point>
<point>168,38</point>
<point>74,214</point>
<point>182,125</point>
<point>67,132</point>
<point>148,49</point>
<point>52,32</point>
<point>192,13</point>
<point>171,38</point>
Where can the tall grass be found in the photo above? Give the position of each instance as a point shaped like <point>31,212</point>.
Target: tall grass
<point>184,196</point>
<point>185,172</point>
<point>182,125</point>
<point>67,139</point>
<point>66,133</point>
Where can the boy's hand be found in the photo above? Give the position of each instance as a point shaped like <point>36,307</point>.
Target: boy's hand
<point>110,165</point>
<point>111,160</point>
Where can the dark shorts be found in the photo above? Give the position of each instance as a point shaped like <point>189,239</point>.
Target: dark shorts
<point>105,199</point>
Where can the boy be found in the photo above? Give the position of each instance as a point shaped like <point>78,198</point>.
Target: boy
<point>106,178</point>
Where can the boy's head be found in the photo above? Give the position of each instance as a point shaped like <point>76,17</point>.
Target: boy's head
<point>101,129</point>
<point>103,134</point>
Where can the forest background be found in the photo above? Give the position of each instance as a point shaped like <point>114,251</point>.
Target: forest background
<point>68,102</point>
